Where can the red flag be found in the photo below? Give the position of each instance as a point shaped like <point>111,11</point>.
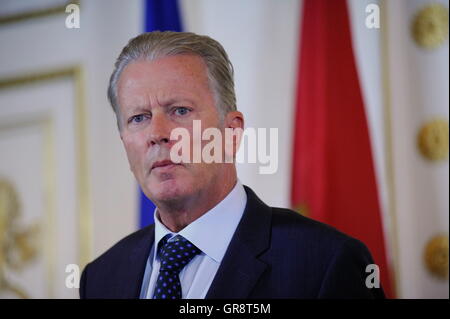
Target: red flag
<point>333,170</point>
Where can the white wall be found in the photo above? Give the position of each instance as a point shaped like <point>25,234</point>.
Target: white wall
<point>261,39</point>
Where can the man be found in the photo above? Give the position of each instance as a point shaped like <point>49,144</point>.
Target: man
<point>213,237</point>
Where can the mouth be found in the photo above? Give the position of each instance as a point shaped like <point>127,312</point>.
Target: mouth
<point>164,165</point>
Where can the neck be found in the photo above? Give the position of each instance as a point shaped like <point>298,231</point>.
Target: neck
<point>178,214</point>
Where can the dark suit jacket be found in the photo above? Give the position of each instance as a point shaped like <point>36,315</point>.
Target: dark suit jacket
<point>274,253</point>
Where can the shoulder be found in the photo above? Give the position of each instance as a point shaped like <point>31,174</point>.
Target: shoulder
<point>314,238</point>
<point>101,277</point>
<point>292,225</point>
<point>125,246</point>
<point>287,228</point>
<point>336,263</point>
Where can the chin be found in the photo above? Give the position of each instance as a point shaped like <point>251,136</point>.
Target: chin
<point>167,191</point>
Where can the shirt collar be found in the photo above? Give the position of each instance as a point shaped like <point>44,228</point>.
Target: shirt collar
<point>212,232</point>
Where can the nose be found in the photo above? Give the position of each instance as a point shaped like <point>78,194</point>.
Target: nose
<point>160,128</point>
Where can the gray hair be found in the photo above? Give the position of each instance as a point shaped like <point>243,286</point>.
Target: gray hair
<point>154,45</point>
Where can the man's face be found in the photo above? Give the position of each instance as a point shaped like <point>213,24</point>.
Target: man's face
<point>156,97</point>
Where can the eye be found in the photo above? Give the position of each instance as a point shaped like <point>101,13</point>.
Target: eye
<point>138,118</point>
<point>182,110</point>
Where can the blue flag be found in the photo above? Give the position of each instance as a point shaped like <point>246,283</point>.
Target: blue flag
<point>162,15</point>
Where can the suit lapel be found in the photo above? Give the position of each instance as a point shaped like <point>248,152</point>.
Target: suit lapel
<point>133,267</point>
<point>240,268</point>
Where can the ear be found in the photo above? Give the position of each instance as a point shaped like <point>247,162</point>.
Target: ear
<point>234,122</point>
<point>234,119</point>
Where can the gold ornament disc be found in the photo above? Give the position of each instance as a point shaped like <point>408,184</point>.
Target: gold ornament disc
<point>433,140</point>
<point>436,256</point>
<point>430,26</point>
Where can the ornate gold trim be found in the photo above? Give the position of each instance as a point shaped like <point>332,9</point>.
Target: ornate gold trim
<point>389,159</point>
<point>27,15</point>
<point>50,187</point>
<point>36,77</point>
<point>85,226</point>
<point>83,186</point>
<point>49,179</point>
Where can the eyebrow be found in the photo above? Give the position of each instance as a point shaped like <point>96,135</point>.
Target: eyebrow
<point>176,100</point>
<point>165,104</point>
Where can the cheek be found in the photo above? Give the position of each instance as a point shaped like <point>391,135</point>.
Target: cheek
<point>203,172</point>
<point>135,149</point>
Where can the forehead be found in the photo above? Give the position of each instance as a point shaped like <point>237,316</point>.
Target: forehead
<point>173,75</point>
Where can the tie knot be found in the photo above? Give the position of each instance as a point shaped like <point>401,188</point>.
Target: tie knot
<point>177,253</point>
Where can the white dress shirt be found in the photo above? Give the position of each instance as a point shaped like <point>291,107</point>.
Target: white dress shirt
<point>211,233</point>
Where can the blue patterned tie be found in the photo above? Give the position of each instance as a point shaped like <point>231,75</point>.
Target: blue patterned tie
<point>174,256</point>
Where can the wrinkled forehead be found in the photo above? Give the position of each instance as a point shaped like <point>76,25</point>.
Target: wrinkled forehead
<point>165,79</point>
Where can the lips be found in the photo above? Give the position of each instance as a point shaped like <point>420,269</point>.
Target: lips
<point>162,164</point>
